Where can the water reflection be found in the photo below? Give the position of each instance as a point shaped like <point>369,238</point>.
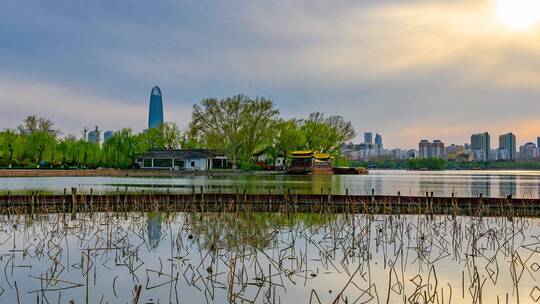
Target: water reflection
<point>481,185</point>
<point>154,223</point>
<point>462,183</point>
<point>268,258</point>
<point>507,186</point>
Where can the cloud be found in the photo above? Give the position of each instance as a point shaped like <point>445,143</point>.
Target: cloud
<point>427,66</point>
<point>73,109</point>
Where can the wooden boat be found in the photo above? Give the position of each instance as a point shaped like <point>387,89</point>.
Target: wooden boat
<point>309,162</point>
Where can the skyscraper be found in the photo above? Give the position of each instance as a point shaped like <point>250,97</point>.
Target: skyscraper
<point>368,137</point>
<point>94,137</point>
<point>508,142</point>
<point>480,145</point>
<point>155,115</point>
<point>378,141</point>
<point>107,135</point>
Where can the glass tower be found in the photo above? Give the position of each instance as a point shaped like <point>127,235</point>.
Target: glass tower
<point>508,142</point>
<point>155,115</point>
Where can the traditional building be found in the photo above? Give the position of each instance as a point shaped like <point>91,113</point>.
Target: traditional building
<point>190,160</point>
<point>309,162</point>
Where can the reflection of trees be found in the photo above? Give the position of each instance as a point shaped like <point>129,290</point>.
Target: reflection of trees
<point>238,231</point>
<point>324,182</point>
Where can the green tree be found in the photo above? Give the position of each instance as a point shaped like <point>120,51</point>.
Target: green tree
<point>38,143</point>
<point>9,142</point>
<point>327,134</point>
<point>236,124</point>
<point>287,137</point>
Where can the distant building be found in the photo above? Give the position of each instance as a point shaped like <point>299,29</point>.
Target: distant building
<point>378,141</point>
<point>480,146</point>
<point>190,160</point>
<point>107,135</point>
<point>508,142</point>
<point>528,151</point>
<point>368,138</point>
<point>427,149</point>
<point>94,137</point>
<point>155,114</point>
<point>501,154</point>
<point>538,142</point>
<point>457,153</point>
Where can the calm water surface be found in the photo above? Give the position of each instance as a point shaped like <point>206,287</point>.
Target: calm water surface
<point>267,258</point>
<point>462,183</point>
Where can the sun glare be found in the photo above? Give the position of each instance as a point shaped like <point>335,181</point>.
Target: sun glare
<point>519,14</point>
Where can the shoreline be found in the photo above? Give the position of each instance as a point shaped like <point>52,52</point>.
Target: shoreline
<point>6,173</point>
<point>124,173</point>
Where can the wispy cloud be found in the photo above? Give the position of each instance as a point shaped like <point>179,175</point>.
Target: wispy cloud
<point>428,65</point>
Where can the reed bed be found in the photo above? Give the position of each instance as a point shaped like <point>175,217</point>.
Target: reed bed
<point>143,248</point>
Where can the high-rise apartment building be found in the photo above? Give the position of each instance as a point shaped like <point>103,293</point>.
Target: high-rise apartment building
<point>368,137</point>
<point>480,146</point>
<point>427,149</point>
<point>508,142</point>
<point>378,141</point>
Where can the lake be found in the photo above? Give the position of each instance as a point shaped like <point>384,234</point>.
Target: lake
<point>267,258</point>
<point>442,183</point>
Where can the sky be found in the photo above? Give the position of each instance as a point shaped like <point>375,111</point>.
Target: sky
<point>409,69</point>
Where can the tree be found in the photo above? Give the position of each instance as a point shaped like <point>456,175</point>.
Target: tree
<point>38,142</point>
<point>258,123</point>
<point>326,134</point>
<point>320,137</point>
<point>8,141</point>
<point>33,124</point>
<point>173,137</point>
<point>287,137</point>
<point>344,129</point>
<point>236,124</point>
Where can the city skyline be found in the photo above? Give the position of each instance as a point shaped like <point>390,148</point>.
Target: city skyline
<point>356,59</point>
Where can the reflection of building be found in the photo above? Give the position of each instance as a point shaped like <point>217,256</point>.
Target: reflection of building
<point>508,142</point>
<point>429,149</point>
<point>480,146</point>
<point>155,114</point>
<point>507,185</point>
<point>154,222</point>
<point>481,184</point>
<point>194,160</point>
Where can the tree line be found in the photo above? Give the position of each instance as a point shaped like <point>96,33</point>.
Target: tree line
<point>239,125</point>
